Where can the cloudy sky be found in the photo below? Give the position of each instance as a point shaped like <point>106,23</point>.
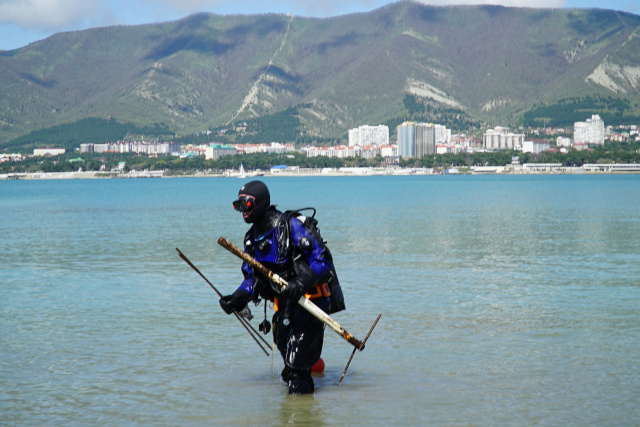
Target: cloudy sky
<point>26,21</point>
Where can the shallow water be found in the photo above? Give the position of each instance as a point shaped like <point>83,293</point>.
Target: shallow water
<point>505,300</point>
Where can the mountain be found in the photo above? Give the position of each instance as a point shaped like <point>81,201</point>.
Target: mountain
<point>490,64</point>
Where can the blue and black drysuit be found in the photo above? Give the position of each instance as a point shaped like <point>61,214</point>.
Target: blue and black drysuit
<point>290,251</point>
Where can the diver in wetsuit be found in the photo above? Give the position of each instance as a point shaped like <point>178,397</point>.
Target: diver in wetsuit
<point>282,244</point>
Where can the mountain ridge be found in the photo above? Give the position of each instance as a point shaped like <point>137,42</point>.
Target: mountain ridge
<point>490,63</point>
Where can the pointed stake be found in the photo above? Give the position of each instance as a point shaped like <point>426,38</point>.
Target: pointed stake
<point>354,350</point>
<point>252,331</point>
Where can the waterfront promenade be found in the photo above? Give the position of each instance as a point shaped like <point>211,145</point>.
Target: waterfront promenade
<point>528,168</point>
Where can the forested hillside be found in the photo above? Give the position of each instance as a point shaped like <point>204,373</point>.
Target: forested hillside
<point>466,66</point>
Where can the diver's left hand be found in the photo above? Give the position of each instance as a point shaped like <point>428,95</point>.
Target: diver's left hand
<point>294,290</point>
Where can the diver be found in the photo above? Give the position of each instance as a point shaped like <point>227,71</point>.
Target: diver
<point>284,246</point>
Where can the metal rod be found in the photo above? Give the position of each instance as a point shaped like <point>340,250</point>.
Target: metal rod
<point>242,320</point>
<point>354,350</point>
<point>304,302</point>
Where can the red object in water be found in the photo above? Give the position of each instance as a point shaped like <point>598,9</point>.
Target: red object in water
<point>318,368</point>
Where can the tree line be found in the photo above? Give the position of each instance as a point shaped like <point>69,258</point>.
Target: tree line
<point>566,112</point>
<point>614,152</point>
<point>91,130</point>
<point>421,111</point>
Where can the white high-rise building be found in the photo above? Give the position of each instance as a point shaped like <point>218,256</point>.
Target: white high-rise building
<point>500,138</point>
<point>589,132</point>
<point>369,135</point>
<point>443,135</point>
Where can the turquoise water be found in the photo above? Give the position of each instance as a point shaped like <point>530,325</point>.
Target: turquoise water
<point>505,300</point>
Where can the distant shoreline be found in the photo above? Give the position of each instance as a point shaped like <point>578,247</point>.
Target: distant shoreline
<point>305,173</point>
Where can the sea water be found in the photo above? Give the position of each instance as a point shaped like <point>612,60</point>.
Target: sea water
<point>505,300</point>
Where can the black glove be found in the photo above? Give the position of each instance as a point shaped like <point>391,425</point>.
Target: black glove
<point>234,302</point>
<point>303,282</point>
<point>294,290</point>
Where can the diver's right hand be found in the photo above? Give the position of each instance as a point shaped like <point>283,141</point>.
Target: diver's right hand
<point>234,302</point>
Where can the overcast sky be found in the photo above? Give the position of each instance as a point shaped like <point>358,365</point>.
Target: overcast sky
<point>26,21</point>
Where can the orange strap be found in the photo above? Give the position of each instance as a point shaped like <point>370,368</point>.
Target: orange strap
<point>318,291</point>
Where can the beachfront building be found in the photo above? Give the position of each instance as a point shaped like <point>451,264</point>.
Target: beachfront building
<point>442,135</point>
<point>425,139</point>
<point>344,151</point>
<point>465,143</point>
<point>406,139</point>
<point>590,131</point>
<point>190,151</point>
<point>215,151</point>
<point>369,135</point>
<point>340,151</point>
<point>151,148</point>
<point>536,146</point>
<point>389,151</point>
<point>612,167</point>
<point>271,147</point>
<point>501,138</point>
<point>419,139</point>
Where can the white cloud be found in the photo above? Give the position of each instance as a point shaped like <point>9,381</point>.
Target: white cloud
<point>47,13</point>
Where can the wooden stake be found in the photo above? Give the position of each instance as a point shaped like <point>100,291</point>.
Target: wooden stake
<point>354,350</point>
<point>304,302</point>
<point>242,320</point>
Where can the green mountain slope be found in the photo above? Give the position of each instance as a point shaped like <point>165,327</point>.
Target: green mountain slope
<point>207,71</point>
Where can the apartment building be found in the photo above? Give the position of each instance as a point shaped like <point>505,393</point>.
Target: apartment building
<point>501,138</point>
<point>420,139</point>
<point>369,135</point>
<point>147,147</point>
<point>590,131</point>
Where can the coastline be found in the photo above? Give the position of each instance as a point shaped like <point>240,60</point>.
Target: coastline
<point>498,170</point>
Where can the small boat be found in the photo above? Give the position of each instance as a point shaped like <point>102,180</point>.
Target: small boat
<point>242,174</point>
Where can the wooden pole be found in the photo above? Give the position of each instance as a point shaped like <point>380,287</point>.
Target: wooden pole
<point>304,302</point>
<point>242,320</point>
